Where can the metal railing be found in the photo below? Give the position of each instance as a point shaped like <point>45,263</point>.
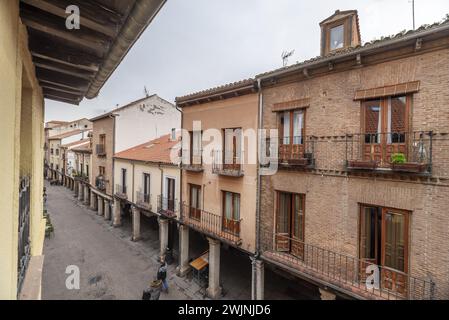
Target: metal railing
<point>24,248</point>
<point>371,151</point>
<point>211,224</point>
<point>120,191</point>
<point>100,149</point>
<point>297,151</point>
<point>100,183</point>
<point>228,163</point>
<point>347,272</point>
<point>167,207</point>
<point>143,199</point>
<point>192,160</point>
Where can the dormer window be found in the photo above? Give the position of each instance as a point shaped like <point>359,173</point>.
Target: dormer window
<point>337,37</point>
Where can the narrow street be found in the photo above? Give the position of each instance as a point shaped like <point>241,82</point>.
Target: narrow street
<point>114,267</point>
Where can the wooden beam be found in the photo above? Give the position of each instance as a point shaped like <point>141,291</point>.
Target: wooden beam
<point>69,96</point>
<point>53,27</point>
<point>62,79</point>
<point>61,99</point>
<point>62,86</point>
<point>93,20</point>
<point>63,69</point>
<point>56,88</point>
<point>92,68</point>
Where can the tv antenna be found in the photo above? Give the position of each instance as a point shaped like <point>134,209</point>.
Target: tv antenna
<point>413,13</point>
<point>285,55</point>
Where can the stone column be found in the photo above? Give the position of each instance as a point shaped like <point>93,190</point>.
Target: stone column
<point>214,289</point>
<point>100,203</point>
<point>107,211</point>
<point>326,295</point>
<point>259,267</point>
<point>93,201</point>
<point>184,266</point>
<point>75,189</point>
<point>86,195</point>
<point>80,192</point>
<point>136,223</point>
<point>163,236</point>
<point>116,219</point>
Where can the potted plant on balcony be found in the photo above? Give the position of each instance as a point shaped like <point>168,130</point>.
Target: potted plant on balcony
<point>399,163</point>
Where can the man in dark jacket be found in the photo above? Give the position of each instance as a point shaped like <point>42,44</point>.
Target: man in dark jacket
<point>162,275</point>
<point>153,291</point>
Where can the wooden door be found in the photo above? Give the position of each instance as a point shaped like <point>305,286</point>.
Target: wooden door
<point>369,236</point>
<point>195,201</point>
<point>395,250</point>
<point>372,138</point>
<point>283,227</point>
<point>170,194</point>
<point>297,225</point>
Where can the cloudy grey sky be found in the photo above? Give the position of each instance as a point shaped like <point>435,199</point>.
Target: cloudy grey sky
<point>197,44</point>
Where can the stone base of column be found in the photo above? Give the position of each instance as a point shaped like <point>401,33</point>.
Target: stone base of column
<point>327,295</point>
<point>182,271</point>
<point>214,293</point>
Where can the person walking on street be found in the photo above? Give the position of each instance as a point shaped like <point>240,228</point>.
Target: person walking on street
<point>162,275</point>
<point>153,291</point>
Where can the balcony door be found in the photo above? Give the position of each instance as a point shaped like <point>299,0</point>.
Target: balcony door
<point>232,142</point>
<point>195,202</point>
<point>292,132</point>
<point>290,223</point>
<point>231,212</point>
<point>170,193</point>
<point>384,242</point>
<point>385,126</point>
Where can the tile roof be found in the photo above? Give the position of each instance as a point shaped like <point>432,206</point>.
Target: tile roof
<point>86,148</point>
<point>76,143</point>
<point>66,134</point>
<point>157,151</point>
<point>382,42</point>
<point>217,90</point>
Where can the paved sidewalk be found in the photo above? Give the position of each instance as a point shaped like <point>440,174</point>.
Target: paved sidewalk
<point>111,265</point>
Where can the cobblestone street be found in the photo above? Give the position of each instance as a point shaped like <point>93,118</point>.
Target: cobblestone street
<point>114,267</point>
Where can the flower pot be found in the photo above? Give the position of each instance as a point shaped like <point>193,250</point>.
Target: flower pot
<point>412,167</point>
<point>362,164</point>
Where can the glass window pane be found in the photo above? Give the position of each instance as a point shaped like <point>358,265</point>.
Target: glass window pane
<point>395,241</point>
<point>228,205</point>
<point>368,233</point>
<point>283,213</point>
<point>286,127</point>
<point>297,127</point>
<point>373,121</point>
<point>236,207</point>
<point>337,37</point>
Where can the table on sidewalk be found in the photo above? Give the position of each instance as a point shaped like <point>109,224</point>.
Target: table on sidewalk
<point>200,268</point>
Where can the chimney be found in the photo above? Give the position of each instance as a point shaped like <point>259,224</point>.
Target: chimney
<point>340,31</point>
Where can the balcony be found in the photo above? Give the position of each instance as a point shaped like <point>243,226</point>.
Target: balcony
<point>167,207</point>
<point>296,152</point>
<point>192,162</point>
<point>399,152</point>
<point>211,224</point>
<point>100,183</point>
<point>143,200</point>
<point>347,273</point>
<point>120,191</point>
<point>79,176</point>
<point>227,163</point>
<point>24,246</point>
<point>100,150</point>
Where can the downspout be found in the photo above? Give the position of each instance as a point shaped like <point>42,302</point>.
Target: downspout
<point>132,189</point>
<point>112,116</point>
<point>257,253</point>
<point>180,162</point>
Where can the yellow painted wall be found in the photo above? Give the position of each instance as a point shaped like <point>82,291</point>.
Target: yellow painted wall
<point>21,150</point>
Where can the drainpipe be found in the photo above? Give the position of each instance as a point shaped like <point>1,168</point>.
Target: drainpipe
<point>257,253</point>
<point>132,189</point>
<point>180,162</point>
<point>112,116</point>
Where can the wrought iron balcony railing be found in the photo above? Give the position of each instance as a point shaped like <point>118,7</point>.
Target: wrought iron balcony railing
<point>100,183</point>
<point>409,152</point>
<point>297,151</point>
<point>228,163</point>
<point>120,191</point>
<point>211,224</point>
<point>348,273</point>
<point>100,149</point>
<point>24,247</point>
<point>167,207</point>
<point>143,200</point>
<point>192,160</point>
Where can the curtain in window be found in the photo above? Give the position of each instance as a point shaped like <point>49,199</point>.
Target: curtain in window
<point>298,217</point>
<point>228,205</point>
<point>297,127</point>
<point>236,207</point>
<point>196,147</point>
<point>194,197</point>
<point>238,145</point>
<point>286,127</point>
<point>395,241</point>
<point>229,146</point>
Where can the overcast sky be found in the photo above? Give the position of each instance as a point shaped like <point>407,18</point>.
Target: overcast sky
<point>193,45</point>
